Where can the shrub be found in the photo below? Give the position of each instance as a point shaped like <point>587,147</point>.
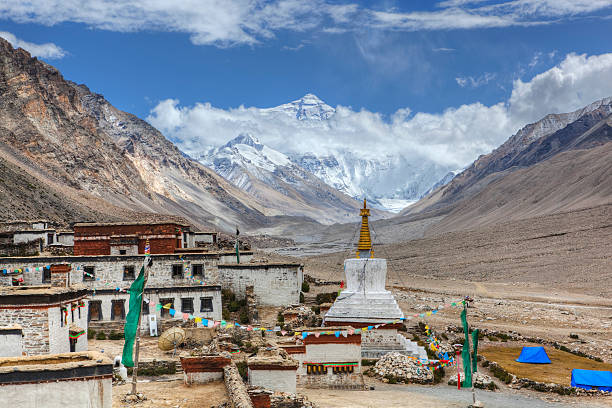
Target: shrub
<point>100,336</point>
<point>326,297</point>
<point>573,336</point>
<point>368,362</point>
<point>301,297</point>
<point>91,334</point>
<point>280,318</point>
<point>244,317</point>
<point>305,287</point>
<point>492,338</point>
<point>392,379</point>
<point>438,375</point>
<point>116,336</point>
<point>233,306</point>
<point>415,337</point>
<point>157,370</point>
<point>226,314</point>
<point>316,309</point>
<point>242,369</point>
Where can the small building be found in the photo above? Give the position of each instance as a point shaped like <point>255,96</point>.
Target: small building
<point>56,381</point>
<point>203,238</point>
<point>53,319</point>
<point>204,369</point>
<point>128,238</point>
<point>275,372</point>
<point>274,284</point>
<point>329,357</point>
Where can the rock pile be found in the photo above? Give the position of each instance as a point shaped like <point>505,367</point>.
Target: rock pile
<point>481,381</point>
<point>395,367</point>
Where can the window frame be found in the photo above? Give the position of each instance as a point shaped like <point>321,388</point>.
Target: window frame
<point>189,309</point>
<point>194,267</point>
<point>113,303</point>
<point>166,312</point>
<point>206,298</point>
<point>86,270</point>
<point>176,275</point>
<point>127,267</point>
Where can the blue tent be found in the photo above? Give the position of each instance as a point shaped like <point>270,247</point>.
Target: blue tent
<point>592,379</point>
<point>533,355</point>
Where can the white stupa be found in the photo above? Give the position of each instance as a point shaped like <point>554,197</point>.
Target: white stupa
<point>366,302</point>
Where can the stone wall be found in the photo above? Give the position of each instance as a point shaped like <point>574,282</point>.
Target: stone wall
<point>273,284</point>
<point>35,326</point>
<point>238,394</point>
<point>203,369</point>
<point>31,248</point>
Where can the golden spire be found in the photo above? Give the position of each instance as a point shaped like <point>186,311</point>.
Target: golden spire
<point>365,242</point>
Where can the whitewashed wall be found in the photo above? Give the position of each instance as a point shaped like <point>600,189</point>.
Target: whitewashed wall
<point>95,393</point>
<point>273,285</point>
<point>59,341</point>
<point>275,380</point>
<point>329,353</point>
<point>11,345</point>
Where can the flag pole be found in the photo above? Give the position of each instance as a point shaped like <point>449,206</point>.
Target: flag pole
<point>137,346</point>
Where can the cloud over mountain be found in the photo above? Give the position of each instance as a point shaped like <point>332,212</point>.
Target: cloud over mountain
<point>454,137</point>
<point>47,50</point>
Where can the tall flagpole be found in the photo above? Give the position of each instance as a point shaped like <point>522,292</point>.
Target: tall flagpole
<point>147,264</point>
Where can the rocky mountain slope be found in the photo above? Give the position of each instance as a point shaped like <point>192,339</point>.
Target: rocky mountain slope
<point>74,144</point>
<point>278,183</point>
<point>558,164</point>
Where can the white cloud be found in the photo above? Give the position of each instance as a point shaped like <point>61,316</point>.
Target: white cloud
<point>231,22</point>
<point>475,82</point>
<point>454,137</point>
<point>443,49</point>
<point>47,50</point>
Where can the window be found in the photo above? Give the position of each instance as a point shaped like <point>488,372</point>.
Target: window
<point>89,273</point>
<point>197,270</point>
<point>122,251</point>
<point>206,304</point>
<point>145,308</point>
<point>177,271</point>
<point>49,239</point>
<point>46,275</point>
<point>128,272</point>
<point>95,310</point>
<point>187,305</point>
<point>118,309</point>
<point>166,312</point>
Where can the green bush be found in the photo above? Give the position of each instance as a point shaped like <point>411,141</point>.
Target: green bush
<point>244,317</point>
<point>368,362</point>
<point>392,379</point>
<point>573,336</point>
<point>116,336</point>
<point>301,297</point>
<point>91,334</point>
<point>326,297</point>
<point>100,336</point>
<point>233,306</point>
<point>316,309</point>
<point>242,369</point>
<point>305,287</point>
<point>280,318</point>
<point>226,314</point>
<point>438,375</point>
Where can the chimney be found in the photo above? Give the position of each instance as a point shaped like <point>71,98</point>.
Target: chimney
<point>60,275</point>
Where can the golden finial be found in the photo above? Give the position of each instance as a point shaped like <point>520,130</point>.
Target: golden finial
<point>365,242</point>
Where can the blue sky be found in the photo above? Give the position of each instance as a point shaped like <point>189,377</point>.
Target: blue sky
<point>382,56</point>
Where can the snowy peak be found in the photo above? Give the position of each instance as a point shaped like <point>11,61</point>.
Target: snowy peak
<point>308,107</point>
<point>245,139</point>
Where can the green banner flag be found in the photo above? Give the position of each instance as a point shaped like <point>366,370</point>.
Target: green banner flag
<point>465,353</point>
<point>237,252</point>
<point>131,321</point>
<point>475,353</point>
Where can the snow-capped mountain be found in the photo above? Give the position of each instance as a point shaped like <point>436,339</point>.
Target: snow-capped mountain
<point>273,179</point>
<point>308,107</point>
<point>390,183</point>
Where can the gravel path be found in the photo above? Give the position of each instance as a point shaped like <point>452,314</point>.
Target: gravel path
<point>386,395</point>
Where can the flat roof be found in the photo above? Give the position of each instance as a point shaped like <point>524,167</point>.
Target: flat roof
<point>54,367</point>
<point>256,265</point>
<point>126,223</point>
<point>83,258</point>
<point>44,294</point>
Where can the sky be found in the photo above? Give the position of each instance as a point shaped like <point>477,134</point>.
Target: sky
<point>440,80</point>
